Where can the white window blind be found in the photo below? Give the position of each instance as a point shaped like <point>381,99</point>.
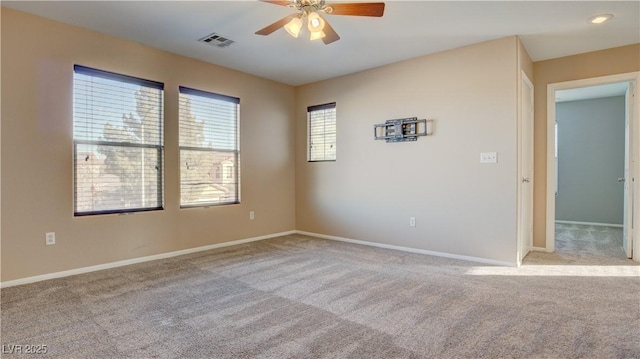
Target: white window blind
<point>321,129</point>
<point>118,143</point>
<point>209,148</point>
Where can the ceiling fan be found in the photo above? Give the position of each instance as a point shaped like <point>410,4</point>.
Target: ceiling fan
<point>310,10</point>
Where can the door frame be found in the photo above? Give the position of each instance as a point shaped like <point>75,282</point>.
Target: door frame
<point>551,168</point>
<point>629,163</point>
<point>524,244</point>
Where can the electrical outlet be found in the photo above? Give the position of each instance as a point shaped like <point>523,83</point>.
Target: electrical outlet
<point>252,215</point>
<point>50,238</point>
<point>412,221</point>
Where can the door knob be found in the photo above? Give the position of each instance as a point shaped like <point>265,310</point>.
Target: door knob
<point>620,179</point>
<point>525,180</point>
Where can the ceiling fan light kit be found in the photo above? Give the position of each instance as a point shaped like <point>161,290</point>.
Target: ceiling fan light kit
<point>315,24</point>
<point>317,35</point>
<point>293,27</point>
<point>309,11</point>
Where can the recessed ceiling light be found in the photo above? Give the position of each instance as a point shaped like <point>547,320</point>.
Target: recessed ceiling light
<point>599,19</point>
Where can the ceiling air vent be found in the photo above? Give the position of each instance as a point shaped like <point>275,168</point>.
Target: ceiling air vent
<point>217,40</point>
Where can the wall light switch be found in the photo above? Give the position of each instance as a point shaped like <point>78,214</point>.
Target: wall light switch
<point>488,157</point>
<point>252,215</point>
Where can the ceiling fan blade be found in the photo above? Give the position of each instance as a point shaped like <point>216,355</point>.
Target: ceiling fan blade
<point>275,26</point>
<point>330,35</point>
<point>357,9</point>
<point>279,2</point>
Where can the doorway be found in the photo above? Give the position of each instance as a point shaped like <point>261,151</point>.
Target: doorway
<point>622,85</point>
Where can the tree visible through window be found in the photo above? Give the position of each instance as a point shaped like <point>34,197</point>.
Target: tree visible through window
<point>209,150</point>
<point>118,142</point>
<point>321,131</point>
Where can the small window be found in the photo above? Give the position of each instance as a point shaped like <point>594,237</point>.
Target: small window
<point>117,141</point>
<point>209,149</point>
<point>321,129</point>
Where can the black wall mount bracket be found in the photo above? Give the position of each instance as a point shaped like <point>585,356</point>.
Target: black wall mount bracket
<point>400,130</point>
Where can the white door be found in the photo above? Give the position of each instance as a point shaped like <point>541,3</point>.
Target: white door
<point>525,237</point>
<point>627,232</point>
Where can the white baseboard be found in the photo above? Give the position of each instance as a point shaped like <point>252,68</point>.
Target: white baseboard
<point>98,267</point>
<point>411,250</point>
<point>591,224</point>
<point>539,249</point>
<point>110,265</point>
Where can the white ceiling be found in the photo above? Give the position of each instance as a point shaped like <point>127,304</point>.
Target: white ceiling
<point>591,92</point>
<point>408,29</point>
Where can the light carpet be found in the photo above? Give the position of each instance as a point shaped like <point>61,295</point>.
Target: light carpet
<point>303,297</point>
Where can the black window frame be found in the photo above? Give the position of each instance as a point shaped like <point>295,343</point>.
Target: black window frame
<point>84,70</point>
<point>310,110</point>
<point>235,153</point>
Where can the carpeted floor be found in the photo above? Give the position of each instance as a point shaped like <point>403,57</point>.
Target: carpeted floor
<point>575,242</point>
<point>301,297</point>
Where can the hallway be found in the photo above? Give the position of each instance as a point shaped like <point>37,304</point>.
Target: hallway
<point>578,244</point>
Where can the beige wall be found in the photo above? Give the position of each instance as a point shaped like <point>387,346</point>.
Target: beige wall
<point>594,64</point>
<point>461,206</point>
<point>524,61</point>
<point>37,192</point>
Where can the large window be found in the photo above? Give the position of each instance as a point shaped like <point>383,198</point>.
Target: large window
<point>209,149</point>
<point>321,131</point>
<point>118,143</point>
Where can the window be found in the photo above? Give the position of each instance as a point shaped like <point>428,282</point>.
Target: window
<point>118,143</point>
<point>321,130</point>
<point>209,150</point>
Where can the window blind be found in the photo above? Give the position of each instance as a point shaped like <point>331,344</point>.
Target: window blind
<point>118,142</point>
<point>209,148</point>
<point>321,128</point>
